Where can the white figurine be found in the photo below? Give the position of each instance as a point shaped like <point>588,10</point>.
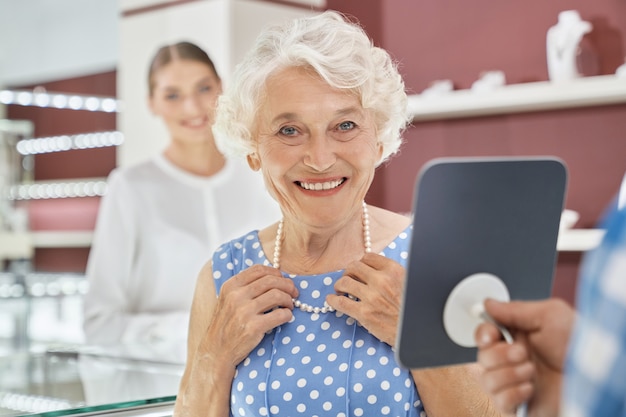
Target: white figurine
<point>489,81</point>
<point>438,88</point>
<point>562,42</point>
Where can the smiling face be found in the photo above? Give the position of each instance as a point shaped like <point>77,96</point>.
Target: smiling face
<point>316,146</point>
<point>184,95</point>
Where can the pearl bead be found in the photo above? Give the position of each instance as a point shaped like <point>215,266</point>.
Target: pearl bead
<point>367,239</point>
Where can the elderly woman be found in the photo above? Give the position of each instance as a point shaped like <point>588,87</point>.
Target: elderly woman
<point>300,318</point>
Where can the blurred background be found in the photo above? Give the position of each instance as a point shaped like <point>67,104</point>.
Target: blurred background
<point>73,107</point>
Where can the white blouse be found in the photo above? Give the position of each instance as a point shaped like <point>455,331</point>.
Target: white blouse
<point>157,226</point>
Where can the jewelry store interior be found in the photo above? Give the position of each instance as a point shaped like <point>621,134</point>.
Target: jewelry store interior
<point>483,80</point>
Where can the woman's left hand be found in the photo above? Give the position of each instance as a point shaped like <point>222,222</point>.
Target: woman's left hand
<point>376,282</point>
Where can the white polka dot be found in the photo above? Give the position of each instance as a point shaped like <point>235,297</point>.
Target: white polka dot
<point>310,337</point>
<point>350,321</point>
<point>290,372</point>
<point>383,360</point>
<point>321,348</point>
<point>358,387</point>
<point>325,325</point>
<point>249,237</point>
<point>274,409</point>
<point>301,408</point>
<point>315,394</point>
<point>275,384</point>
<point>229,266</point>
<point>304,284</point>
<point>402,235</point>
<point>396,371</point>
<point>317,370</point>
<point>347,344</point>
<point>260,254</point>
<point>242,412</point>
<point>263,411</point>
<point>407,382</point>
<point>295,350</point>
<point>252,374</point>
<point>223,255</point>
<point>256,244</point>
<point>340,392</point>
<point>358,412</point>
<point>328,380</point>
<point>248,262</point>
<point>336,334</point>
<point>305,360</point>
<point>397,396</point>
<point>261,387</point>
<point>372,399</point>
<point>260,352</point>
<point>371,351</point>
<point>371,374</point>
<point>300,328</point>
<point>287,396</point>
<point>315,294</point>
<point>392,245</point>
<point>301,383</point>
<point>327,406</point>
<point>315,317</point>
<point>240,386</point>
<point>246,361</point>
<point>358,364</point>
<point>385,410</point>
<point>217,274</point>
<point>280,361</point>
<point>343,367</point>
<point>332,357</point>
<point>404,255</point>
<point>267,364</point>
<point>359,343</point>
<point>385,385</point>
<point>249,399</point>
<point>286,340</point>
<point>328,281</point>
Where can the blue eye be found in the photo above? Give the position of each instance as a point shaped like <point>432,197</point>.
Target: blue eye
<point>346,126</point>
<point>288,131</point>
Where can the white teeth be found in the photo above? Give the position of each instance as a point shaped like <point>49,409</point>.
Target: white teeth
<point>321,185</point>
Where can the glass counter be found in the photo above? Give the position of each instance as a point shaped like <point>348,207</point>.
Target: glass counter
<point>47,370</point>
<point>67,380</point>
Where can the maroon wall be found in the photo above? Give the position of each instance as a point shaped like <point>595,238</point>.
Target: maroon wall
<point>458,40</point>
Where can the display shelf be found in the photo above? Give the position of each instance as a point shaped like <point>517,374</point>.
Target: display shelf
<point>62,239</point>
<point>569,240</point>
<point>579,240</point>
<point>518,98</point>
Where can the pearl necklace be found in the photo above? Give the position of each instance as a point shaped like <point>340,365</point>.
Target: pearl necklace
<point>367,239</point>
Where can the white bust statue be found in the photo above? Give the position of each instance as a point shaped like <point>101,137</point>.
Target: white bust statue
<point>562,44</point>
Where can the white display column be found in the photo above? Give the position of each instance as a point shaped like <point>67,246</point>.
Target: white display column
<point>226,29</point>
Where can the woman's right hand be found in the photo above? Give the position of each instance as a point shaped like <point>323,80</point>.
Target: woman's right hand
<point>250,304</point>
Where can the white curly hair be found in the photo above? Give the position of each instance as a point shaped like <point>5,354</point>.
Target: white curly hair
<point>340,52</point>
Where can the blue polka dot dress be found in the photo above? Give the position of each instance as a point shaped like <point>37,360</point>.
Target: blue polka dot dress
<point>322,364</point>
